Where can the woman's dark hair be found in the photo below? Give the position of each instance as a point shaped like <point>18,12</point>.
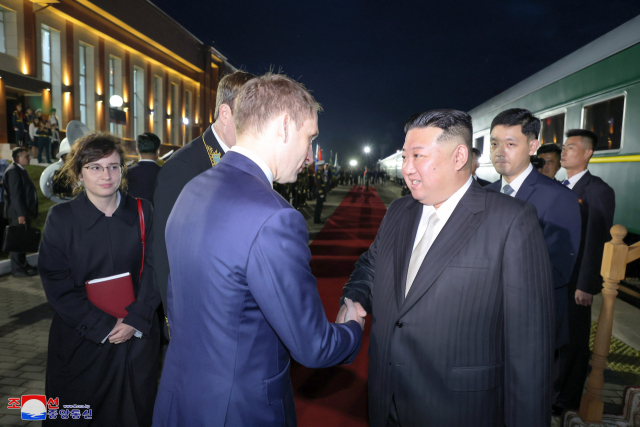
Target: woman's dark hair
<point>88,149</point>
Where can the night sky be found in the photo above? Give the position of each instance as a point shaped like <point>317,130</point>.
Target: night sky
<point>371,64</point>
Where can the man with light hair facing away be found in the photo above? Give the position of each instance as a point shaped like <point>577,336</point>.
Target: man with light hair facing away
<point>247,301</point>
<point>199,155</point>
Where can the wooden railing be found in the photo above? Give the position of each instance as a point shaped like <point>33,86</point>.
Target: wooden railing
<point>614,264</point>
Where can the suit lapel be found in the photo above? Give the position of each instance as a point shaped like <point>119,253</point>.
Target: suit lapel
<point>456,232</point>
<point>528,187</point>
<point>403,246</point>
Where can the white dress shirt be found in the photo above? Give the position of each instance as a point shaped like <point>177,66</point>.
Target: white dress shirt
<point>255,159</point>
<point>222,144</point>
<point>444,212</point>
<point>517,183</point>
<point>575,178</point>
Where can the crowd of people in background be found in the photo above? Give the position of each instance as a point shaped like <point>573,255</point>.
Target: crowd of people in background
<point>36,133</point>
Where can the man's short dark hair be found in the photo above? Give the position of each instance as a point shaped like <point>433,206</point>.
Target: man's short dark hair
<point>550,148</point>
<point>519,116</point>
<point>148,143</point>
<point>228,90</point>
<point>454,123</point>
<point>587,135</point>
<point>16,152</point>
<point>477,152</point>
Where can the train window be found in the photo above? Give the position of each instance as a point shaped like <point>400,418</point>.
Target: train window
<point>552,129</point>
<point>605,119</point>
<point>479,144</point>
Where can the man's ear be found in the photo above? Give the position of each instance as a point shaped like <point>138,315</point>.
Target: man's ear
<point>461,154</point>
<point>225,114</point>
<point>283,127</point>
<point>533,146</point>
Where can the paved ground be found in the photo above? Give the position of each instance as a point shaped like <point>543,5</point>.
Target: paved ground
<point>25,317</point>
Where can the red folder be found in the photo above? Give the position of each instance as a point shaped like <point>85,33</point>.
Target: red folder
<point>112,294</point>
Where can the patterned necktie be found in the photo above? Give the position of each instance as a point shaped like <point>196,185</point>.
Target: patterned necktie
<point>566,182</point>
<point>420,251</point>
<point>507,190</point>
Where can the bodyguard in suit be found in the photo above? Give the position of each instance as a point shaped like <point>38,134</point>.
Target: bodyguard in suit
<point>514,139</point>
<point>20,205</point>
<point>240,310</point>
<point>190,161</point>
<point>597,207</point>
<point>474,166</point>
<point>141,177</point>
<point>459,284</point>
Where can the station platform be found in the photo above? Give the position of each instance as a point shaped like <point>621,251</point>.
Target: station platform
<point>327,397</point>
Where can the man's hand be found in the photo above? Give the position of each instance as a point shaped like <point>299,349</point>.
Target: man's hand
<point>22,220</point>
<point>583,298</point>
<point>121,333</point>
<point>351,311</point>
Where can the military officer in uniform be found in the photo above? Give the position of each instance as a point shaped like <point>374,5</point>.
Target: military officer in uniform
<point>18,125</point>
<point>321,192</point>
<point>190,161</point>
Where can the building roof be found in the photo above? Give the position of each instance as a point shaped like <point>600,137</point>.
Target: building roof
<point>621,38</point>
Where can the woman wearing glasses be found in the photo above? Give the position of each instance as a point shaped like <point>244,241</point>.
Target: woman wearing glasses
<point>94,358</point>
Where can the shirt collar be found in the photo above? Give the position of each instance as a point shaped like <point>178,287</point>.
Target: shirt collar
<point>446,209</point>
<point>222,144</point>
<point>575,178</point>
<point>517,182</point>
<point>255,159</point>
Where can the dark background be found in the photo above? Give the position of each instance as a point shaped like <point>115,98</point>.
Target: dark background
<point>372,64</point>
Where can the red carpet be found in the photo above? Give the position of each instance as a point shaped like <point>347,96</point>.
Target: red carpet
<point>338,396</point>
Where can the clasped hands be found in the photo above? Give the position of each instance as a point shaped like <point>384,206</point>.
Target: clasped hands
<point>351,311</point>
<point>121,332</point>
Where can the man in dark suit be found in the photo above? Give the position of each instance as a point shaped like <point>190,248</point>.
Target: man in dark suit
<point>597,207</point>
<point>459,284</point>
<point>241,293</point>
<point>474,166</point>
<point>321,192</point>
<point>20,206</point>
<point>514,139</point>
<point>550,153</point>
<point>190,161</point>
<point>141,177</point>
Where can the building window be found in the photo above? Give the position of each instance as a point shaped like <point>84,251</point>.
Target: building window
<point>552,129</point>
<point>158,111</point>
<point>138,101</point>
<point>82,81</point>
<point>2,47</point>
<point>46,54</point>
<point>479,144</point>
<point>605,120</point>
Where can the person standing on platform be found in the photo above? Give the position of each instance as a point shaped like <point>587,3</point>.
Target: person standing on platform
<point>460,286</point>
<point>474,167</point>
<point>142,176</point>
<point>43,136</point>
<point>597,207</point>
<point>365,177</point>
<point>20,205</point>
<point>550,153</point>
<point>34,126</point>
<point>241,310</point>
<point>18,124</point>
<point>514,139</point>
<point>55,134</point>
<point>95,358</point>
<point>321,192</point>
<point>199,155</point>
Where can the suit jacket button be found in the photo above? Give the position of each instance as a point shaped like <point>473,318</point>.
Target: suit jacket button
<point>399,324</point>
<point>84,328</point>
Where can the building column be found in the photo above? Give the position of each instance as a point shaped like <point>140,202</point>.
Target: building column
<point>68,106</point>
<point>127,92</point>
<point>29,62</point>
<point>167,107</point>
<point>102,106</point>
<point>148,105</point>
<point>4,132</point>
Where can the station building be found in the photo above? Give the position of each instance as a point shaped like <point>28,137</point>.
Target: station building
<point>74,55</point>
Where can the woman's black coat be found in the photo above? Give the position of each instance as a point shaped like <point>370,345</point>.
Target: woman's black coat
<point>79,244</point>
